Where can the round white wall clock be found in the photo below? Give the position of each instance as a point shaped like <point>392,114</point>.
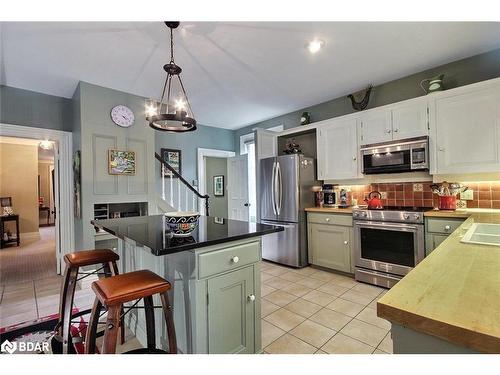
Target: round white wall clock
<point>122,116</point>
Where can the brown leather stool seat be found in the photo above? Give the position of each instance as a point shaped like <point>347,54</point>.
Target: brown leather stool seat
<point>105,262</point>
<point>113,292</point>
<point>89,257</point>
<point>129,287</point>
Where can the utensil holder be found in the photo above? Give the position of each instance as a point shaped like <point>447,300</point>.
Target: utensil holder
<point>447,202</point>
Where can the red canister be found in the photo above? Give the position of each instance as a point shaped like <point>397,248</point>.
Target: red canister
<point>447,202</point>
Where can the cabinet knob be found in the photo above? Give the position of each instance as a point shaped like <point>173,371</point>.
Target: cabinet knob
<point>346,242</point>
<point>235,259</point>
<point>441,148</point>
<point>251,297</point>
<point>447,227</point>
<point>388,131</point>
<point>327,219</point>
<point>396,130</point>
<point>354,158</point>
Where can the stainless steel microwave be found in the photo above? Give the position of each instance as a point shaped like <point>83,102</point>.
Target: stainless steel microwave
<point>407,155</point>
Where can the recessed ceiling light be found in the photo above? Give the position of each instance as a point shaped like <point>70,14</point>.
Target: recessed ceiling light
<point>315,45</point>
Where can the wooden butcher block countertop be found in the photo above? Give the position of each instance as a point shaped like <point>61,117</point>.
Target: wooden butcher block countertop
<point>453,294</point>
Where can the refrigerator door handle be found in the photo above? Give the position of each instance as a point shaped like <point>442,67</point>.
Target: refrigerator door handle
<point>276,224</point>
<point>280,189</point>
<point>273,188</point>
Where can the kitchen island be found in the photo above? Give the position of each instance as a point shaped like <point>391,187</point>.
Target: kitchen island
<point>450,302</point>
<point>215,277</point>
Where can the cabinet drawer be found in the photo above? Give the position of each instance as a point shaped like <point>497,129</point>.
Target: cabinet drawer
<point>444,226</point>
<point>218,261</point>
<point>334,219</point>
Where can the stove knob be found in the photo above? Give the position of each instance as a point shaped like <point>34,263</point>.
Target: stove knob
<point>416,216</point>
<point>356,214</point>
<point>406,216</point>
<point>365,214</point>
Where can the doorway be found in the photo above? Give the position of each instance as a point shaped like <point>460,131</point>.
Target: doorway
<point>213,179</point>
<point>247,147</point>
<point>59,182</point>
<point>27,193</point>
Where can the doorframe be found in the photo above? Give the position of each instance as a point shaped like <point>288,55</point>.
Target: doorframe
<point>63,173</point>
<point>202,154</point>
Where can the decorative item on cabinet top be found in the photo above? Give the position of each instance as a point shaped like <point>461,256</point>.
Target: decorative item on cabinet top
<point>305,118</point>
<point>292,148</point>
<point>434,84</point>
<point>357,104</point>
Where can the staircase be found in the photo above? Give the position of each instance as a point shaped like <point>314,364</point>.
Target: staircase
<point>176,193</point>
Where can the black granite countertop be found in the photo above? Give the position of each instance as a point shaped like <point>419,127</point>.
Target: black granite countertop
<point>150,231</point>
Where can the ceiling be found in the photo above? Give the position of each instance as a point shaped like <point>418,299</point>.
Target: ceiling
<point>235,73</point>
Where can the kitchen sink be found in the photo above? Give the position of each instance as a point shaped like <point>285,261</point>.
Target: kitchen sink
<point>483,234</point>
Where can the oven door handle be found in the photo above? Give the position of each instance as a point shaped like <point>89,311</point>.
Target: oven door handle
<point>376,225</point>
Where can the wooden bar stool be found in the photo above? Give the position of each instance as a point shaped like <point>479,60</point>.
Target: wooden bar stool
<point>113,292</point>
<point>74,261</point>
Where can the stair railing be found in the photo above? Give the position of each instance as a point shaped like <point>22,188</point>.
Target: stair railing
<point>178,202</point>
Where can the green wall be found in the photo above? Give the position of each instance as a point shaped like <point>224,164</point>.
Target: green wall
<point>458,73</point>
<point>30,108</point>
<point>216,167</point>
<point>203,137</point>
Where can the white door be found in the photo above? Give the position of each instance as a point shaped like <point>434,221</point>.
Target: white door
<point>468,131</point>
<point>237,187</point>
<point>376,126</point>
<point>409,119</point>
<point>337,150</point>
<point>266,146</point>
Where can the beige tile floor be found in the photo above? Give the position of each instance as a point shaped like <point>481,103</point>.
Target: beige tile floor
<point>39,298</point>
<point>314,311</point>
<point>303,311</point>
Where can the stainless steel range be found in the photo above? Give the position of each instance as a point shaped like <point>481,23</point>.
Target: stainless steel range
<point>388,243</point>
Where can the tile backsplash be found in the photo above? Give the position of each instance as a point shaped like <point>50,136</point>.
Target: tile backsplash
<point>419,194</point>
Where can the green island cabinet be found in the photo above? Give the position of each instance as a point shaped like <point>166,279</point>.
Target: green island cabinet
<point>228,284</point>
<point>329,241</point>
<point>437,230</point>
<point>215,295</point>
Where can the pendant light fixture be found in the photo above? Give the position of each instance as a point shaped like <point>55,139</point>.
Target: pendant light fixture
<point>173,112</point>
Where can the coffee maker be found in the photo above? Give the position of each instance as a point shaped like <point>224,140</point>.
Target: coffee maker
<point>329,198</point>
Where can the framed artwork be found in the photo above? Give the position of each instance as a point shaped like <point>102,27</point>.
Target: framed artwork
<point>77,184</point>
<point>219,186</point>
<point>6,201</point>
<point>174,158</point>
<point>121,162</point>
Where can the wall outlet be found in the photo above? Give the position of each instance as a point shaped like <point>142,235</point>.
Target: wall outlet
<point>383,195</point>
<point>418,187</point>
<point>467,195</point>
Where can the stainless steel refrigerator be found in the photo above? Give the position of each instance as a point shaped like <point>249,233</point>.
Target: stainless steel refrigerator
<point>285,189</point>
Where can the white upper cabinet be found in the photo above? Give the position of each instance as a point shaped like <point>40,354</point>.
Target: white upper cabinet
<point>337,144</point>
<point>376,126</point>
<point>407,119</point>
<point>466,122</point>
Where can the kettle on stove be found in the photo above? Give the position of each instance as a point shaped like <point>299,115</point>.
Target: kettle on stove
<point>374,201</point>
